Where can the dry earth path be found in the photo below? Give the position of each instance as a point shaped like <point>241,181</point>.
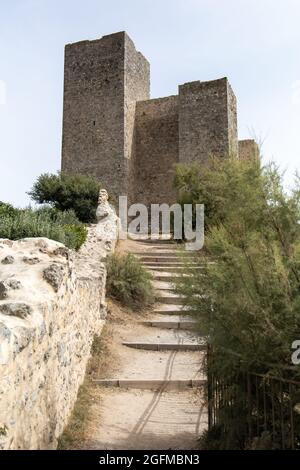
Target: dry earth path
<point>151,396</point>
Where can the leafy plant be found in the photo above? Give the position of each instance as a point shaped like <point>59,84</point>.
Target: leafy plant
<point>65,192</point>
<point>7,210</point>
<point>75,235</point>
<point>50,223</point>
<point>128,281</point>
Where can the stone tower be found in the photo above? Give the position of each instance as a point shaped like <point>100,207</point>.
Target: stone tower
<point>103,81</point>
<point>115,133</point>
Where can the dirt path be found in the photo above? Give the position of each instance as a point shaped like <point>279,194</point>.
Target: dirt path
<point>149,388</point>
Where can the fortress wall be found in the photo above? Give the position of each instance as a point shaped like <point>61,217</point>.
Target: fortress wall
<point>93,116</point>
<point>113,132</point>
<point>137,88</point>
<point>156,140</point>
<point>103,80</point>
<point>232,122</point>
<point>52,304</point>
<point>204,128</point>
<point>248,150</point>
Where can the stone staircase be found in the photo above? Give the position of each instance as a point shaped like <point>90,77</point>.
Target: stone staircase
<point>167,365</point>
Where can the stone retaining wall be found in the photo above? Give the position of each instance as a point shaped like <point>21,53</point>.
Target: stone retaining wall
<point>52,303</point>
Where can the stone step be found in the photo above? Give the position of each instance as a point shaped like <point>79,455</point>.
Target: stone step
<point>171,269</point>
<point>147,419</point>
<point>142,334</point>
<point>163,285</point>
<point>152,245</point>
<point>166,259</point>
<point>156,251</point>
<point>168,297</point>
<point>167,276</point>
<point>167,262</point>
<point>159,259</point>
<point>168,252</point>
<point>170,262</point>
<point>156,242</point>
<point>171,309</point>
<point>152,384</point>
<point>177,318</point>
<point>181,324</point>
<point>138,364</point>
<point>166,346</point>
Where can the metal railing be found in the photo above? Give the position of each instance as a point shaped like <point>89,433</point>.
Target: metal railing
<point>255,406</point>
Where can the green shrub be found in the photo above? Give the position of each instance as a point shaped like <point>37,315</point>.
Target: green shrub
<point>225,186</point>
<point>128,281</point>
<point>67,217</point>
<point>7,210</point>
<point>62,227</point>
<point>75,236</point>
<point>248,301</point>
<point>65,192</point>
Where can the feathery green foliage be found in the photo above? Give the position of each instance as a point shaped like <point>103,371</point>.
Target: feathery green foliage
<point>63,227</point>
<point>227,187</point>
<point>247,302</point>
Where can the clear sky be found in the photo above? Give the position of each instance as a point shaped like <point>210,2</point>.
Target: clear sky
<point>255,43</point>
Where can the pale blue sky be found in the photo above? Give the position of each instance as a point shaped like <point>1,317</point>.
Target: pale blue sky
<point>255,43</point>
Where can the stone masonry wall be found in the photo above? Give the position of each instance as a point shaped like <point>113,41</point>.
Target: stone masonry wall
<point>93,122</point>
<point>232,148</point>
<point>156,151</point>
<point>103,79</point>
<point>113,132</point>
<point>52,304</point>
<point>248,150</point>
<point>137,88</point>
<point>206,120</point>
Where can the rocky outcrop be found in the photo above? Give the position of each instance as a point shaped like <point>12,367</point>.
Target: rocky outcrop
<point>52,303</point>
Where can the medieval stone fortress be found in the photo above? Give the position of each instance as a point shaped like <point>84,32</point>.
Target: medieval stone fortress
<point>142,365</point>
<point>114,132</point>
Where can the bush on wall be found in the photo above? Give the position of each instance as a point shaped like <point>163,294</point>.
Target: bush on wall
<point>63,227</point>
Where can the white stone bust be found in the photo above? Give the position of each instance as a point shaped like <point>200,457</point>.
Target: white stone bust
<point>107,221</point>
<point>104,209</point>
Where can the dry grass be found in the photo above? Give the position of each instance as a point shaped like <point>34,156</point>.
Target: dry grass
<point>73,434</point>
<point>102,358</point>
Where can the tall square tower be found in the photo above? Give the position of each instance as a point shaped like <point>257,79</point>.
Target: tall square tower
<point>103,81</point>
